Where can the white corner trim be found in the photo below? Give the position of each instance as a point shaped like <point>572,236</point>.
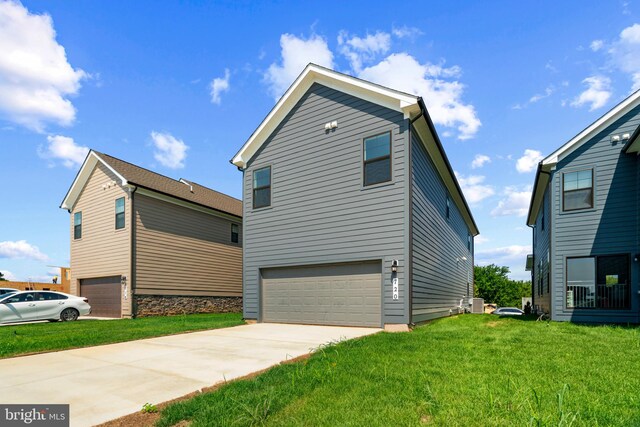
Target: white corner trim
<point>398,101</point>
<point>611,116</point>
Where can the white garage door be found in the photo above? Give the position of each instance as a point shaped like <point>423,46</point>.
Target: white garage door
<point>336,294</point>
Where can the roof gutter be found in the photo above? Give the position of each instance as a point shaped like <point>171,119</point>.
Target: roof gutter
<point>425,113</point>
<point>536,186</point>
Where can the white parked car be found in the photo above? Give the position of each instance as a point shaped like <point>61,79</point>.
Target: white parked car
<point>26,306</point>
<point>5,291</point>
<point>508,311</point>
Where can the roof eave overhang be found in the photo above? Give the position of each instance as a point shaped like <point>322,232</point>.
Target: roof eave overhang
<point>397,101</point>
<point>543,175</point>
<point>82,177</point>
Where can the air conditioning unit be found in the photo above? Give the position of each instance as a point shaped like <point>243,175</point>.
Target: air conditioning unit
<point>477,305</point>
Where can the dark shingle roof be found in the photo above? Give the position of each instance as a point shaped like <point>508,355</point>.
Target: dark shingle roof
<point>185,190</point>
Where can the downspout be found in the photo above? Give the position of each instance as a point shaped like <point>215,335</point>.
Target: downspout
<point>132,269</point>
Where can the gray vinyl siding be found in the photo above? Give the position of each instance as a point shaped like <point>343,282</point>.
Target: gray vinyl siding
<point>320,213</point>
<point>542,246</point>
<point>439,280</point>
<point>182,251</point>
<point>610,228</point>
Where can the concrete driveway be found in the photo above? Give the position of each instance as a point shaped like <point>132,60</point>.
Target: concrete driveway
<point>105,382</point>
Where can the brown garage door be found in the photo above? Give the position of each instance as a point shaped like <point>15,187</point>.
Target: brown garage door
<point>337,294</point>
<point>103,294</point>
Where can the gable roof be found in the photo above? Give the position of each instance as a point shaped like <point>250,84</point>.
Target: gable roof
<point>549,162</point>
<point>129,174</point>
<point>411,106</point>
<point>390,98</point>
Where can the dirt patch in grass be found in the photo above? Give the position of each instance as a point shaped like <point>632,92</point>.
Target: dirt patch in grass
<point>492,324</point>
<point>143,419</point>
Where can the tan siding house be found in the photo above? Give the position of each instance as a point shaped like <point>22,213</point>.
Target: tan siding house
<point>145,244</point>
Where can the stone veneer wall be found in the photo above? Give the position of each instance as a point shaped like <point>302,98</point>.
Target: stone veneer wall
<point>162,305</point>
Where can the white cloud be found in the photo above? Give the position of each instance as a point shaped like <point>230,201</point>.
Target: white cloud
<point>406,32</point>
<point>529,160</point>
<point>480,160</point>
<point>504,255</point>
<point>515,202</point>
<point>596,45</point>
<point>443,97</point>
<point>8,275</point>
<point>296,54</point>
<point>35,76</point>
<point>625,53</point>
<point>597,93</point>
<point>474,188</point>
<point>64,149</point>
<point>218,86</point>
<point>480,240</point>
<point>538,96</point>
<point>360,50</point>
<point>21,249</point>
<point>169,151</point>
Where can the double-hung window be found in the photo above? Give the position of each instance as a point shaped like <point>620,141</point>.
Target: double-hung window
<point>377,159</point>
<point>262,187</point>
<point>120,213</point>
<point>235,233</point>
<point>577,190</point>
<point>77,225</point>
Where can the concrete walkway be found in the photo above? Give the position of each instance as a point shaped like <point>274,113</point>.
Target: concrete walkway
<point>106,382</point>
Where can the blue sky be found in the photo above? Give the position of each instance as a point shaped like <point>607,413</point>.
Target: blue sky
<point>178,87</point>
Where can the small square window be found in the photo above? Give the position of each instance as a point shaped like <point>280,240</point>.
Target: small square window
<point>235,233</point>
<point>377,159</point>
<point>262,187</point>
<point>77,225</point>
<point>120,213</point>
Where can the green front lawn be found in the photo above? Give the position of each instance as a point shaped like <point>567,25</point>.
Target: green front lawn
<point>40,337</point>
<point>471,370</point>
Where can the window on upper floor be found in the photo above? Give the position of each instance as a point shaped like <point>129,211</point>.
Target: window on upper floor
<point>120,213</point>
<point>469,241</point>
<point>542,215</point>
<point>235,233</point>
<point>577,190</point>
<point>598,282</point>
<point>377,159</point>
<point>77,225</point>
<point>262,187</point>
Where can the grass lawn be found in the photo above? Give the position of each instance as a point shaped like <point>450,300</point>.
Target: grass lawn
<point>41,337</point>
<point>471,370</point>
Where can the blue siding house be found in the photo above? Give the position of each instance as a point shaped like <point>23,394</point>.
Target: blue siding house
<point>585,215</point>
<point>353,215</point>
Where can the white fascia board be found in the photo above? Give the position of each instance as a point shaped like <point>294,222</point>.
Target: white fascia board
<point>611,116</point>
<point>397,101</point>
<point>83,176</point>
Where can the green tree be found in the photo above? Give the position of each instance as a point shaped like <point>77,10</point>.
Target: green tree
<point>2,279</point>
<point>492,284</point>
